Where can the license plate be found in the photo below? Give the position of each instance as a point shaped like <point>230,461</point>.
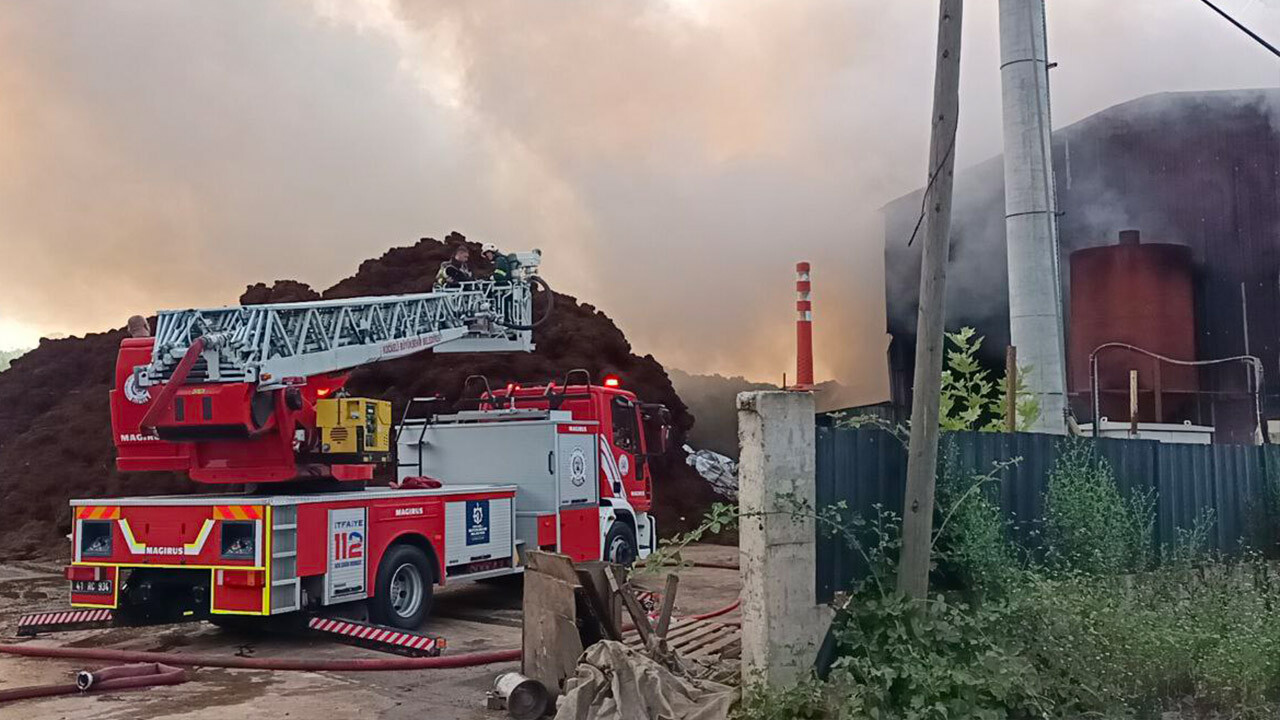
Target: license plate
<point>91,587</point>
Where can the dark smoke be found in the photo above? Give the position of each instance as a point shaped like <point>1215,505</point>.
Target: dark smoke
<point>672,157</point>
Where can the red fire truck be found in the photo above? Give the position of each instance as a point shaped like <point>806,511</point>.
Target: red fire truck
<point>253,396</point>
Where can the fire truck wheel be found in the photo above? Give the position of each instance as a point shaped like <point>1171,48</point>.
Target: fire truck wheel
<point>620,544</point>
<point>404,588</point>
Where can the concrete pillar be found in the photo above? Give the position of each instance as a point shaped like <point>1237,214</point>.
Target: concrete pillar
<point>782,625</point>
<point>1030,199</point>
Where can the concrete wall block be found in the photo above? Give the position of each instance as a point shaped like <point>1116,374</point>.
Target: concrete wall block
<point>782,624</point>
<point>776,439</point>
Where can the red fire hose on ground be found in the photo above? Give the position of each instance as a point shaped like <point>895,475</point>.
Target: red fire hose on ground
<point>119,677</point>
<point>286,663</point>
<point>283,663</point>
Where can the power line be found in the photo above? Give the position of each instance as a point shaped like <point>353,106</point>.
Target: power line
<point>1274,51</point>
<point>933,177</point>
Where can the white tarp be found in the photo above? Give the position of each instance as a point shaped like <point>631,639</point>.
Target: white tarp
<point>718,470</point>
<point>615,682</point>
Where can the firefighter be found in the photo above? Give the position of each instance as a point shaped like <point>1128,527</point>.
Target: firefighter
<point>456,270</point>
<point>501,263</point>
<point>139,327</point>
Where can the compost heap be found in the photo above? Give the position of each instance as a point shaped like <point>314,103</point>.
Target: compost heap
<point>55,429</point>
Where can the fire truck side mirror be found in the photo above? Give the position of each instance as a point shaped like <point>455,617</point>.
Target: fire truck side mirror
<point>657,428</point>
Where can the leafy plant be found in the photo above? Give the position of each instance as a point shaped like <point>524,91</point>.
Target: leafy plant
<point>1190,545</point>
<point>973,548</point>
<point>1089,526</point>
<point>972,399</point>
<point>1153,642</point>
<point>932,660</point>
<point>806,700</point>
<point>670,552</point>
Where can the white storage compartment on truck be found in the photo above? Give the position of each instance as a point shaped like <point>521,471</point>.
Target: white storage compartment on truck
<point>550,457</point>
<point>476,531</point>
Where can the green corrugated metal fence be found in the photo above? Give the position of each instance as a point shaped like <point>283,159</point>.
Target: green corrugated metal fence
<point>866,467</point>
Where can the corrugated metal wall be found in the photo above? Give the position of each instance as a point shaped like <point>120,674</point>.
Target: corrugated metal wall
<point>866,467</point>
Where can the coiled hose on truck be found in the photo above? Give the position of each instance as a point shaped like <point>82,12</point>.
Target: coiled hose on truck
<point>537,282</point>
<point>300,664</point>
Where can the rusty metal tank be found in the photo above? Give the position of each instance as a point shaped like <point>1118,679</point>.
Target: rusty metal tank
<point>1142,294</point>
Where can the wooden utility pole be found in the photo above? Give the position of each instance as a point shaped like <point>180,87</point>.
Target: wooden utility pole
<point>1011,389</point>
<point>1133,403</point>
<point>922,454</point>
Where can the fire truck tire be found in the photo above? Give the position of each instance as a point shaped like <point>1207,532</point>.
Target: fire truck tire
<point>404,588</point>
<point>620,545</point>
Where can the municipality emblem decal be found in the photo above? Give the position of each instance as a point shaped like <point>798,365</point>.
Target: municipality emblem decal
<point>578,467</point>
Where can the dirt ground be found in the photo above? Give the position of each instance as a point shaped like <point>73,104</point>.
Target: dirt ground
<point>472,617</point>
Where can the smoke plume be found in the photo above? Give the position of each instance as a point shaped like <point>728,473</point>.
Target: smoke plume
<point>673,158</point>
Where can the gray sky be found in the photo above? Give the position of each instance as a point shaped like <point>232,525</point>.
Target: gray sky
<point>673,158</point>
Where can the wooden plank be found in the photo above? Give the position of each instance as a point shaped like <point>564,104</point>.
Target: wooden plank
<point>686,628</point>
<point>607,606</point>
<point>693,645</point>
<point>632,605</point>
<point>550,632</point>
<point>682,624</point>
<point>599,613</point>
<point>690,640</point>
<point>681,630</point>
<point>616,580</point>
<point>675,638</point>
<point>721,646</point>
<point>668,604</point>
<point>554,564</point>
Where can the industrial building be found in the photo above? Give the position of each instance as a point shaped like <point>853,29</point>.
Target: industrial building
<point>1192,180</point>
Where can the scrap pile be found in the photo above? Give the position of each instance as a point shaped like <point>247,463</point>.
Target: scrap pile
<point>576,645</point>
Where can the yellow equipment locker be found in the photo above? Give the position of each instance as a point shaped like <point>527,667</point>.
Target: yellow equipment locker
<point>355,430</point>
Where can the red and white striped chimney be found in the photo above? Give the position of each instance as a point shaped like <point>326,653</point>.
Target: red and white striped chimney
<point>804,328</point>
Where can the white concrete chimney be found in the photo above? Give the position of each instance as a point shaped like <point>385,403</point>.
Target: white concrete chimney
<point>1031,227</point>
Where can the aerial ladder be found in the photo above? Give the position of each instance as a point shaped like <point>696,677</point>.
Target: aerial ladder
<point>255,393</point>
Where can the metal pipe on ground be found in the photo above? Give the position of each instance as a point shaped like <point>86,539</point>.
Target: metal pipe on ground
<point>526,698</point>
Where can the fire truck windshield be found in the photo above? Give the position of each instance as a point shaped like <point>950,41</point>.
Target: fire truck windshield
<point>624,425</point>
